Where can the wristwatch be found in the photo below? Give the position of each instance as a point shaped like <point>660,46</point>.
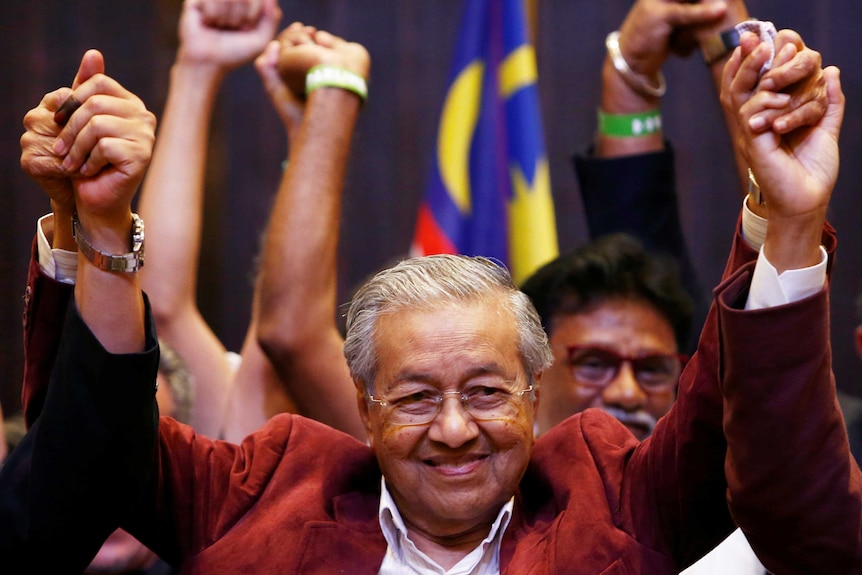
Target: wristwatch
<point>720,45</point>
<point>128,262</point>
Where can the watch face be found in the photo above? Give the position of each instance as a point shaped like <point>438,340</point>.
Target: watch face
<point>720,46</point>
<point>730,38</point>
<point>137,233</point>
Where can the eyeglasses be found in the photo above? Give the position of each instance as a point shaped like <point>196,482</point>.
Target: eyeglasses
<point>421,407</point>
<point>596,366</point>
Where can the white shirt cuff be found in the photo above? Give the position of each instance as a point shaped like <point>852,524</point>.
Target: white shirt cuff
<point>61,265</point>
<point>753,226</point>
<point>769,289</point>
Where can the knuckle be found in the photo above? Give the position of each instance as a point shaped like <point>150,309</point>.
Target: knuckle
<point>99,81</point>
<point>818,57</point>
<point>29,119</point>
<point>98,122</point>
<point>95,106</point>
<point>151,121</point>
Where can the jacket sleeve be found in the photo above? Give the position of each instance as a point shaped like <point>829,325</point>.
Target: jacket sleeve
<point>86,460</point>
<point>45,303</point>
<point>686,473</point>
<point>793,486</point>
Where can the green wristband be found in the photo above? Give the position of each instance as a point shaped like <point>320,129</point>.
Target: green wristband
<point>333,76</point>
<point>629,125</point>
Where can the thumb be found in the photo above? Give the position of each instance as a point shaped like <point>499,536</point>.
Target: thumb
<point>92,63</point>
<point>835,108</point>
<point>267,68</point>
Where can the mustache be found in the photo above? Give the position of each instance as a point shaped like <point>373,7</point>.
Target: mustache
<point>635,418</point>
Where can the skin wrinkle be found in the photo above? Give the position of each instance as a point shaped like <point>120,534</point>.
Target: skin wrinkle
<point>450,478</point>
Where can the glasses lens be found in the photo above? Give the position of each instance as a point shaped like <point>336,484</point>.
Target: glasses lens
<point>492,402</point>
<point>482,402</point>
<point>597,366</point>
<point>656,372</point>
<point>594,365</point>
<point>414,408</point>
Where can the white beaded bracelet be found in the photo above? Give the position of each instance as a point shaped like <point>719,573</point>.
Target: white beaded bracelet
<point>638,82</point>
<point>718,47</point>
<point>766,31</point>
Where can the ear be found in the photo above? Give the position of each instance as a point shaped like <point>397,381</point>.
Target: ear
<point>537,391</point>
<point>364,411</point>
<point>859,340</point>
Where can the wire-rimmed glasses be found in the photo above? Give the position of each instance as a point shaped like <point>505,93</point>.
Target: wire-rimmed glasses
<point>422,405</point>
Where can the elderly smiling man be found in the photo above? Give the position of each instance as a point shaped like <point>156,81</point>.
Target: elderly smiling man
<point>447,357</point>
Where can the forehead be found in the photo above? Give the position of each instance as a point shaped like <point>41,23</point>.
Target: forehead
<point>619,323</point>
<point>448,342</point>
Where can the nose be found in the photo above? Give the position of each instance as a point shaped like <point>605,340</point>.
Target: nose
<point>453,426</point>
<point>623,390</point>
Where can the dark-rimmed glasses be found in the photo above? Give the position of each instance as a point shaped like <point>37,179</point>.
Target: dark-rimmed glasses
<point>596,366</point>
<point>421,407</point>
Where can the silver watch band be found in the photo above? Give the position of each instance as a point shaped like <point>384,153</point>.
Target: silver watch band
<point>128,262</point>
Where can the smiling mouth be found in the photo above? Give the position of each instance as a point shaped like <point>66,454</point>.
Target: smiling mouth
<point>455,467</point>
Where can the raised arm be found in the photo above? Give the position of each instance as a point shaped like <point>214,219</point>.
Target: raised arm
<point>717,40</point>
<point>92,167</point>
<point>628,182</point>
<point>297,285</point>
<point>814,500</point>
<point>47,298</point>
<point>215,37</point>
<point>646,38</point>
<point>796,170</point>
<point>105,176</point>
<point>91,174</point>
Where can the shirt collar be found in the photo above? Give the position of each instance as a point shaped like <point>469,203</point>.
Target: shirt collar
<point>403,554</point>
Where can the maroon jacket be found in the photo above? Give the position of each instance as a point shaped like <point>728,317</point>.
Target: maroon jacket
<point>756,405</point>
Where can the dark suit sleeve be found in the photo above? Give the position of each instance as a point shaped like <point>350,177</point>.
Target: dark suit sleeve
<point>637,195</point>
<point>87,459</point>
<point>45,304</point>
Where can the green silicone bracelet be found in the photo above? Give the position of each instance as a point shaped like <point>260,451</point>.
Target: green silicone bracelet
<point>629,125</point>
<point>332,76</point>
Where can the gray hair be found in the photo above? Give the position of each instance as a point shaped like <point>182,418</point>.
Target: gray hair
<point>434,281</point>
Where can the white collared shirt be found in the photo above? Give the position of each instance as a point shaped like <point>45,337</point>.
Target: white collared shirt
<point>768,287</point>
<point>58,264</point>
<point>403,557</point>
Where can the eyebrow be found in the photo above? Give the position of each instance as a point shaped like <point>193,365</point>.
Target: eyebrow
<point>492,368</point>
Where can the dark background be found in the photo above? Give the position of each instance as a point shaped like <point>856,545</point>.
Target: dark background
<point>41,42</point>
